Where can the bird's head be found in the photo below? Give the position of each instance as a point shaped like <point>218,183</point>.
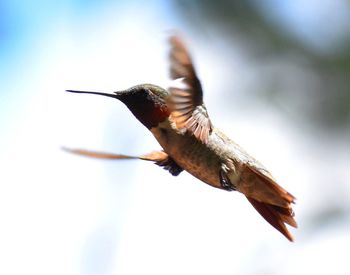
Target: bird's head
<point>146,101</point>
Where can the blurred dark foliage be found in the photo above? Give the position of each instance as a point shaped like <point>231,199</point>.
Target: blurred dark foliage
<point>311,85</point>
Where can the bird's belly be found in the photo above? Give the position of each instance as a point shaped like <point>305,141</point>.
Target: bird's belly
<point>192,155</point>
<point>204,166</point>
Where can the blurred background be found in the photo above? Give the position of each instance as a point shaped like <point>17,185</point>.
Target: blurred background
<point>276,79</point>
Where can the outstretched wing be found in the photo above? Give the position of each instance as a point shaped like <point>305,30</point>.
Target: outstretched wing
<point>160,158</point>
<point>186,104</point>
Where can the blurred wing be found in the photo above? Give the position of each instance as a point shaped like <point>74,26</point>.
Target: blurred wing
<point>160,158</point>
<point>95,154</point>
<point>186,104</point>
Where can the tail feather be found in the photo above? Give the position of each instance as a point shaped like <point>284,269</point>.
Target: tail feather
<point>277,216</point>
<point>264,188</point>
<point>287,215</point>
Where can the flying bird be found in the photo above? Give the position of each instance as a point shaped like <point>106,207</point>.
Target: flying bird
<point>179,120</point>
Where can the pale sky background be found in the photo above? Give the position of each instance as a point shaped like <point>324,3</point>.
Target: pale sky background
<point>63,214</point>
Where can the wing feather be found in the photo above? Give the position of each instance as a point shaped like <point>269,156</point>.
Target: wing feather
<point>186,104</point>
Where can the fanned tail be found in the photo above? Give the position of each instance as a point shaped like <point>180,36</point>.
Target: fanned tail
<point>277,216</point>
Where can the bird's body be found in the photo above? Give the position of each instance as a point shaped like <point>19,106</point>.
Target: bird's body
<point>220,153</point>
<point>201,160</point>
<point>178,119</point>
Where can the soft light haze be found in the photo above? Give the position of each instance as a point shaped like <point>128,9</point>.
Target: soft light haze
<point>63,214</point>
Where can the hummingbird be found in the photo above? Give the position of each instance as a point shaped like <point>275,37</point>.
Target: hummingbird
<point>178,119</point>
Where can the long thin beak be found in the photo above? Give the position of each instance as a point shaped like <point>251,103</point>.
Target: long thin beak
<point>94,93</point>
